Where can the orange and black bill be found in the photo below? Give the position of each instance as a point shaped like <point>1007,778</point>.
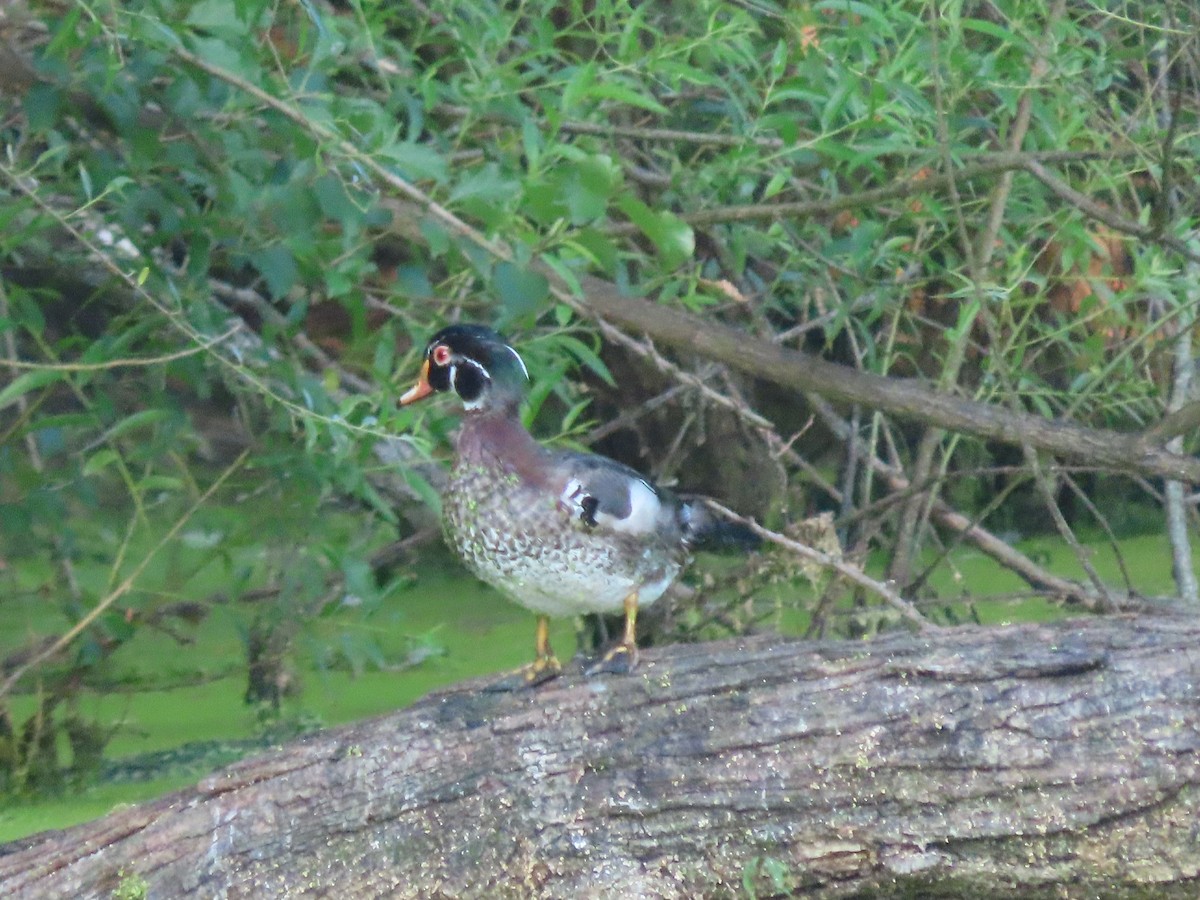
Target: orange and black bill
<point>421,389</point>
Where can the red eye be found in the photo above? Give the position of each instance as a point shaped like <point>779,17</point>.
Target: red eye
<point>440,355</point>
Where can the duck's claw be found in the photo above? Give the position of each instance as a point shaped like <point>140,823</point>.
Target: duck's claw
<point>623,658</point>
<point>620,660</point>
<point>538,672</point>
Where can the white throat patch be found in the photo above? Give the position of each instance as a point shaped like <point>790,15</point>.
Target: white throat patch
<point>486,383</point>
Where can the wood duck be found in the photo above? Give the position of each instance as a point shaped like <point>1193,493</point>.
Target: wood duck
<point>559,532</point>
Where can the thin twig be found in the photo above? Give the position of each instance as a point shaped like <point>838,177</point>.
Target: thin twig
<point>1184,364</point>
<point>61,556</point>
<point>853,573</point>
<point>1045,484</point>
<point>1102,213</point>
<point>129,362</point>
<point>124,587</point>
<point>627,418</point>
<point>741,410</point>
<point>302,341</point>
<point>950,518</point>
<point>1175,423</point>
<point>1102,521</point>
<point>656,135</point>
<point>922,183</point>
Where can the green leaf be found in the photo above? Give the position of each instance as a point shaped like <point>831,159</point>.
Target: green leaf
<point>333,200</point>
<point>277,267</point>
<point>485,183</point>
<point>674,239</point>
<point>779,60</point>
<point>589,184</point>
<point>531,143</point>
<point>542,199</point>
<point>783,124</point>
<point>217,17</point>
<point>160,483</point>
<point>42,103</point>
<point>628,46</point>
<point>777,183</point>
<point>99,461</point>
<point>586,356</point>
<point>564,271</point>
<point>117,626</point>
<point>437,238</point>
<point>29,381</point>
<point>597,248</point>
<point>137,420</point>
<point>384,363</point>
<point>415,161</point>
<point>338,282</point>
<point>422,488</point>
<point>359,578</point>
<point>867,12</point>
<point>622,94</point>
<point>576,87</point>
<point>221,55</point>
<point>1000,33</point>
<point>377,502</point>
<point>967,314</point>
<point>66,421</point>
<point>677,73</point>
<point>522,292</point>
<point>413,280</point>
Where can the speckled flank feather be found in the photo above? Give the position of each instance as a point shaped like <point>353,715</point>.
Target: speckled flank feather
<point>501,514</point>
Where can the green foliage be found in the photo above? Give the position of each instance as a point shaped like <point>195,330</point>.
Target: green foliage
<point>229,225</point>
<point>770,872</point>
<point>130,886</point>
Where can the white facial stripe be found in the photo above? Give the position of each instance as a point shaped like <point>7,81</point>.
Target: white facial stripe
<point>524,370</point>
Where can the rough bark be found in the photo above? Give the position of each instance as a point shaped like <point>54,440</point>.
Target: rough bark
<point>1055,760</point>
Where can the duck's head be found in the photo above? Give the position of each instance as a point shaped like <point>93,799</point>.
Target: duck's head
<point>475,363</point>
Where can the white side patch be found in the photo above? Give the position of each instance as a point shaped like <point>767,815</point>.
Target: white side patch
<point>570,501</point>
<point>644,509</point>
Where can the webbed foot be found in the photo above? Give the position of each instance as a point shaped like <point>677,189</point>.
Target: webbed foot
<point>623,658</point>
<point>538,672</point>
<point>620,660</point>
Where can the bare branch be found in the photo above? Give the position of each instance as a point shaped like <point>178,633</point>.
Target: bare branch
<point>1102,213</point>
<point>853,573</point>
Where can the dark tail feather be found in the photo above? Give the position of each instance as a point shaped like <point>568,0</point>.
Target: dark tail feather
<point>705,530</point>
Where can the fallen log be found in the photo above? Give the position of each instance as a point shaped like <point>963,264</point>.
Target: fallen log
<point>1034,760</point>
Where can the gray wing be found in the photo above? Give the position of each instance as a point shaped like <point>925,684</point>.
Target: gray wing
<point>602,494</point>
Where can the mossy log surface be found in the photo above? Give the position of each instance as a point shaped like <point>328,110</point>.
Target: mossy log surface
<point>1039,760</point>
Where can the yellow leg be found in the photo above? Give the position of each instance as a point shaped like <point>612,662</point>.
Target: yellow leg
<point>631,610</point>
<point>623,658</point>
<point>544,666</point>
<point>542,648</point>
